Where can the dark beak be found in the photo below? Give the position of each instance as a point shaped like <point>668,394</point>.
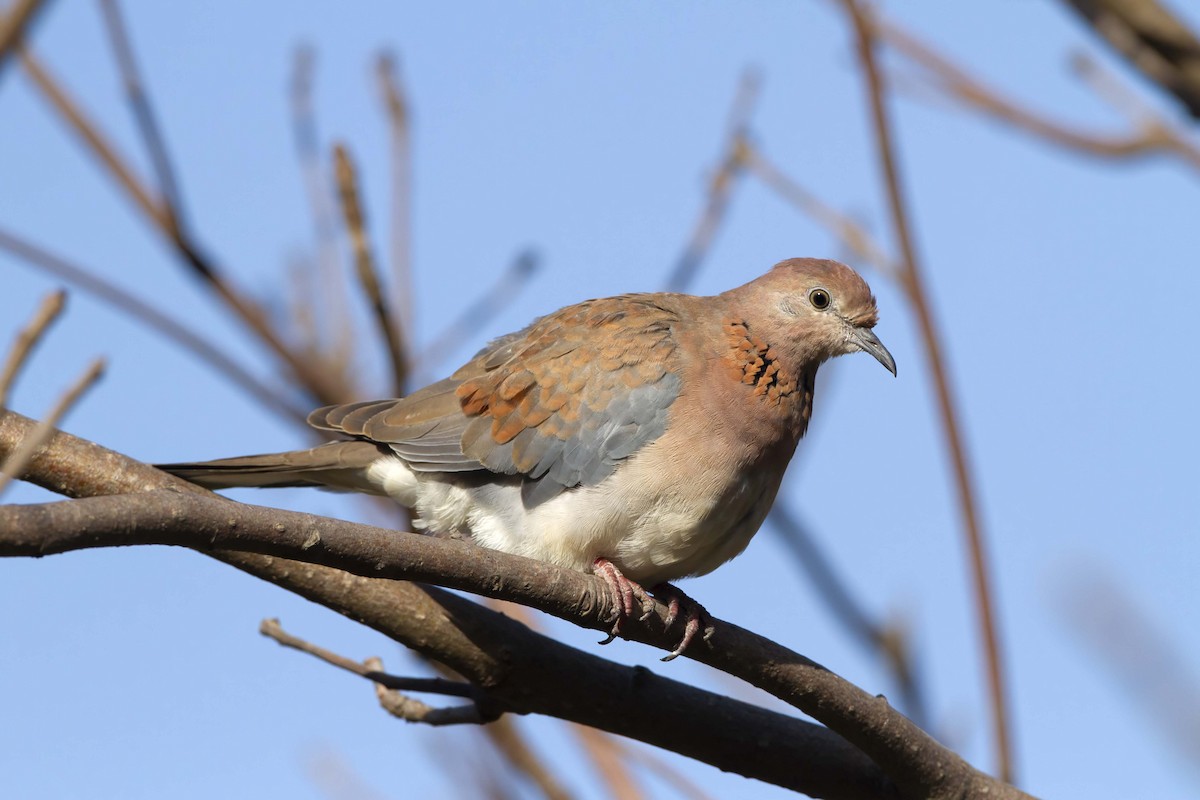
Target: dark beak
<point>868,342</point>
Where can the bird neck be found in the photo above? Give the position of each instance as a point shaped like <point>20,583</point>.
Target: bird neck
<point>781,392</point>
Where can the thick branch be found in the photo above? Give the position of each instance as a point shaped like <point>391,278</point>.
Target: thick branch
<point>524,671</point>
<point>916,763</point>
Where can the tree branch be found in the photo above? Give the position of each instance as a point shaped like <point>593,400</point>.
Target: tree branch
<point>526,671</point>
<point>1153,40</point>
<point>917,765</point>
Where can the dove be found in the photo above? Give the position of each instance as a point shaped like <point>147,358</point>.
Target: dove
<point>641,437</point>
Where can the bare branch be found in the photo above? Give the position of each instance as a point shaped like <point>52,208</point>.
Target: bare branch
<point>97,143</point>
<point>400,124</point>
<point>1153,40</point>
<point>489,303</point>
<point>1149,137</point>
<point>390,688</point>
<point>364,263</point>
<point>15,25</point>
<point>850,233</point>
<point>916,763</point>
<point>143,112</point>
<point>20,457</point>
<point>164,220</point>
<point>720,186</point>
<point>866,38</point>
<point>888,641</point>
<point>51,306</point>
<point>190,341</point>
<point>527,672</point>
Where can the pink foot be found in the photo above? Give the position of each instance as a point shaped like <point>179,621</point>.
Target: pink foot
<point>624,592</point>
<point>696,615</point>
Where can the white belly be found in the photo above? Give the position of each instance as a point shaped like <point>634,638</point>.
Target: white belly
<point>653,529</point>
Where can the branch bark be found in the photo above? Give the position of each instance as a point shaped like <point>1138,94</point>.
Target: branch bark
<point>519,669</point>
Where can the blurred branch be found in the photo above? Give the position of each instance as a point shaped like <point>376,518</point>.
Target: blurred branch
<point>608,761</point>
<point>143,112</point>
<point>154,319</point>
<point>15,23</point>
<point>20,457</point>
<point>1150,135</point>
<point>49,310</point>
<point>514,748</point>
<point>1153,40</point>
<point>167,222</point>
<point>475,316</point>
<point>913,282</point>
<point>400,126</point>
<point>97,143</point>
<point>720,186</point>
<point>1148,663</point>
<point>850,233</point>
<point>889,641</point>
<point>336,327</point>
<point>364,263</point>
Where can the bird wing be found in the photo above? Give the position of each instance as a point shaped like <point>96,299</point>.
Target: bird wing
<point>560,402</point>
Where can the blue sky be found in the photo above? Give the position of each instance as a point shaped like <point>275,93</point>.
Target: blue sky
<point>1063,285</point>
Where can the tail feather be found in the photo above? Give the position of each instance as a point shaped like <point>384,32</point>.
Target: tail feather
<point>336,465</point>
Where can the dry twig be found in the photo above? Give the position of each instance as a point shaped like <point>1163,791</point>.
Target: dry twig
<point>913,283</point>
<point>51,306</point>
<point>20,457</point>
<point>365,269</point>
<point>720,186</point>
<point>15,24</point>
<point>148,315</point>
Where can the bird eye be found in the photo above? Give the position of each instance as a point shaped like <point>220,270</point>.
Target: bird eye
<point>819,299</point>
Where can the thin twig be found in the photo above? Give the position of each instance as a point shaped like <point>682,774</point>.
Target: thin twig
<point>849,232</point>
<point>515,749</point>
<point>15,25</point>
<point>409,709</point>
<point>1148,138</point>
<point>143,112</point>
<point>51,306</point>
<point>865,35</point>
<point>475,316</point>
<point>14,466</point>
<point>720,186</point>
<point>400,125</point>
<point>246,309</point>
<point>887,640</point>
<point>272,629</point>
<point>667,773</point>
<point>388,687</point>
<point>88,281</point>
<point>337,327</point>
<point>364,263</point>
<point>608,760</point>
<point>97,142</point>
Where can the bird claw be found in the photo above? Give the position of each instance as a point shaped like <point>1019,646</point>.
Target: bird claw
<point>696,616</point>
<point>623,592</point>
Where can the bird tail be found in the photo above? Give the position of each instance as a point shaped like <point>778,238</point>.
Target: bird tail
<point>336,465</point>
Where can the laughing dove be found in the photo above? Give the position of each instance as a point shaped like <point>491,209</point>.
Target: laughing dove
<point>641,437</point>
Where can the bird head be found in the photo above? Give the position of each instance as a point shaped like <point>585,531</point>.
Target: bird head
<point>811,310</point>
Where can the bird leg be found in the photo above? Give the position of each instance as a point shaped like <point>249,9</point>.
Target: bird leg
<point>623,592</point>
<point>696,615</point>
